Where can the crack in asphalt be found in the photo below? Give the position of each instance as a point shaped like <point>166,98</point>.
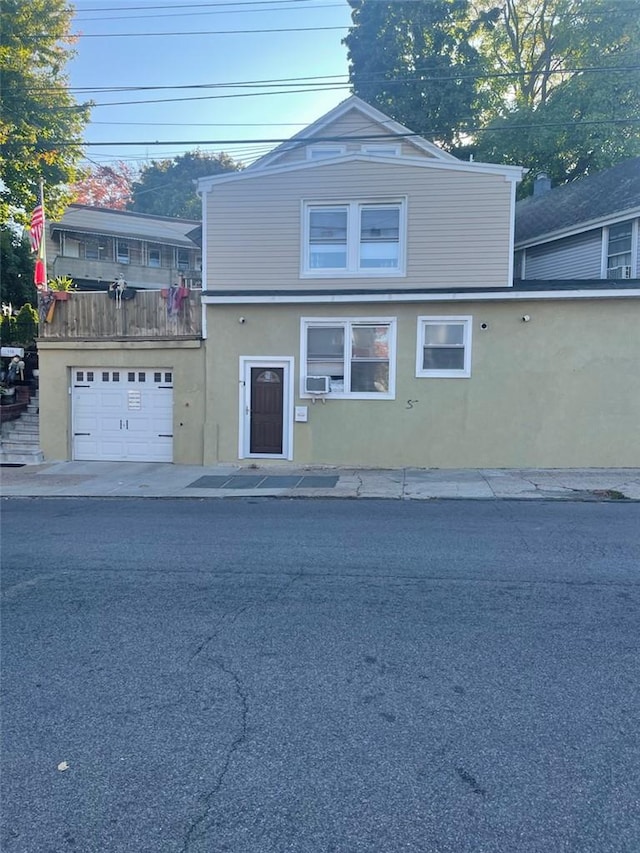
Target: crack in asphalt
<point>199,826</point>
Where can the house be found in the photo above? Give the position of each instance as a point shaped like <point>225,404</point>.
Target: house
<point>95,246</point>
<point>358,308</point>
<point>361,310</point>
<point>585,229</point>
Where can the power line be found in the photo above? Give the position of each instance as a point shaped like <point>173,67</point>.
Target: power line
<point>334,80</point>
<point>271,8</point>
<point>61,143</point>
<point>190,5</point>
<point>209,32</point>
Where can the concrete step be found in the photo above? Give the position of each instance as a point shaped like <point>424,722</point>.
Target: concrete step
<point>19,446</point>
<point>20,426</point>
<point>21,457</point>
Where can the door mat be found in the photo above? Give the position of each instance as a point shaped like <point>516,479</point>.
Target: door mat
<point>252,481</point>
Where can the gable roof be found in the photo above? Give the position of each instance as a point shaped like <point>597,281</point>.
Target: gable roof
<point>86,219</point>
<point>388,130</point>
<point>587,201</point>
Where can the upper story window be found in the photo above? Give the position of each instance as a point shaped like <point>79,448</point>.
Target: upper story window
<point>122,252</point>
<point>353,238</point>
<point>182,259</point>
<point>355,356</point>
<point>444,347</point>
<point>324,152</point>
<point>619,250</point>
<point>154,256</point>
<point>381,149</point>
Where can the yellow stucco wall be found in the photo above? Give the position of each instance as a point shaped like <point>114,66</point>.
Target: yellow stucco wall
<point>185,359</point>
<point>562,390</point>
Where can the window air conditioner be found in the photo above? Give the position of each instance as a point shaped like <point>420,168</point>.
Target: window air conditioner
<point>317,384</point>
<point>619,272</point>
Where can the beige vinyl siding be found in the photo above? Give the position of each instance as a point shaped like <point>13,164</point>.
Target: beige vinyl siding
<point>354,123</point>
<point>458,226</point>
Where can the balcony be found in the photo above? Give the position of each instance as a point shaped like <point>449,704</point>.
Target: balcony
<point>99,317</point>
<point>138,276</point>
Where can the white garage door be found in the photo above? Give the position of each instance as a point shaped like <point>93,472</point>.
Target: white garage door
<point>122,415</point>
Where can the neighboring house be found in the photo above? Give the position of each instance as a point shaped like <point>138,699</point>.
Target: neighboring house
<point>95,246</point>
<point>585,229</point>
<point>359,309</point>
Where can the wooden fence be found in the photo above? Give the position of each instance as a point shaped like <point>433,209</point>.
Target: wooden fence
<point>100,317</point>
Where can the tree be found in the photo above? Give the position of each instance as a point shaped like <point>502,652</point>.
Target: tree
<point>414,60</point>
<point>105,186</point>
<point>38,112</point>
<point>166,187</point>
<point>16,268</point>
<point>559,81</point>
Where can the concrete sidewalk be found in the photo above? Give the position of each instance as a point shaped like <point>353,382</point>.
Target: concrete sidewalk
<point>160,480</point>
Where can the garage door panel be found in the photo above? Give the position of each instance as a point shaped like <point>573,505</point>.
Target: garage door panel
<point>128,421</point>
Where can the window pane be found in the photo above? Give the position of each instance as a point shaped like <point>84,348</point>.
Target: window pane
<point>370,342</point>
<point>325,342</point>
<point>379,223</point>
<point>443,334</point>
<point>620,238</point>
<point>328,257</point>
<point>379,255</point>
<point>443,358</point>
<point>370,376</point>
<point>328,225</point>
<point>379,237</point>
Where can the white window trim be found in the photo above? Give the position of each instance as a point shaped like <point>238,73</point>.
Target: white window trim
<point>380,149</point>
<point>467,321</point>
<point>353,239</point>
<point>347,322</point>
<point>340,149</point>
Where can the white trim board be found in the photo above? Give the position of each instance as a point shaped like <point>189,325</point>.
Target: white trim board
<point>480,296</point>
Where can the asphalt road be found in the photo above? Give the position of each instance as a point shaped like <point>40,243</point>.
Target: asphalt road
<point>261,676</point>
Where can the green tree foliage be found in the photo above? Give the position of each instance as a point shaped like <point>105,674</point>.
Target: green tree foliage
<point>16,268</point>
<point>415,60</point>
<point>551,95</point>
<point>26,328</point>
<point>37,109</point>
<point>7,330</point>
<point>105,186</point>
<point>166,187</point>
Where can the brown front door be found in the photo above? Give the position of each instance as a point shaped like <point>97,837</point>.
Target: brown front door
<point>266,410</point>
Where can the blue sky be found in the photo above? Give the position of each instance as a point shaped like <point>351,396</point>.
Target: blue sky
<point>106,59</point>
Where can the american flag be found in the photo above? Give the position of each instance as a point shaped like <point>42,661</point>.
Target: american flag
<point>37,225</point>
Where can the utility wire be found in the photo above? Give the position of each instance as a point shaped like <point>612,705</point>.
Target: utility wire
<point>61,143</point>
<point>337,80</point>
<point>209,32</point>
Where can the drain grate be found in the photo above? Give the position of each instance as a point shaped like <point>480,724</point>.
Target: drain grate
<point>250,481</point>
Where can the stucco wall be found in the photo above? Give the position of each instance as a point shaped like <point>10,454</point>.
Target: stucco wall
<point>561,390</point>
<point>185,359</point>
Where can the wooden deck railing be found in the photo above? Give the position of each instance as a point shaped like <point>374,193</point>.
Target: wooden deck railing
<point>98,316</point>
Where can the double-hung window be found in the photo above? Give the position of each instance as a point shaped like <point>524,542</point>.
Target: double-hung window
<point>354,238</point>
<point>619,250</point>
<point>122,252</point>
<point>357,356</point>
<point>444,347</point>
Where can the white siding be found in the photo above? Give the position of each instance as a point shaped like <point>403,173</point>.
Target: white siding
<point>458,226</point>
<point>571,258</point>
